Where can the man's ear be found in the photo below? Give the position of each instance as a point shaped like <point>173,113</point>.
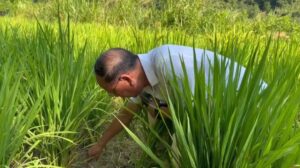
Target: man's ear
<point>127,78</point>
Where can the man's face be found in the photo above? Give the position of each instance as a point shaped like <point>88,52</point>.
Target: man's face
<point>124,86</point>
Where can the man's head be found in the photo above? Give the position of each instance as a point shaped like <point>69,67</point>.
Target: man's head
<point>119,72</point>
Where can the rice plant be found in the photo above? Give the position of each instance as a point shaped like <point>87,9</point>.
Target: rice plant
<point>58,83</point>
<point>48,87</point>
<point>221,123</point>
<point>17,112</point>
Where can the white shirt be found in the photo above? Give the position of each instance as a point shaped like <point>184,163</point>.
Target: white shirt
<point>157,66</point>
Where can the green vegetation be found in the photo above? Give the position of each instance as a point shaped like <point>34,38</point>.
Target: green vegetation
<point>194,16</point>
<point>219,127</point>
<point>51,107</point>
<point>44,64</point>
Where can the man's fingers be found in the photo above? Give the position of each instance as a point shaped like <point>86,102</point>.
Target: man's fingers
<point>94,152</point>
<point>92,156</point>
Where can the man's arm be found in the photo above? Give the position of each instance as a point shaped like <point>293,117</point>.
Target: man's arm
<point>125,116</point>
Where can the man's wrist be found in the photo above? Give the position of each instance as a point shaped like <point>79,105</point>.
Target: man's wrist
<point>100,144</point>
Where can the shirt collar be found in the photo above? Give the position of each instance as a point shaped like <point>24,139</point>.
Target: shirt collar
<point>148,67</point>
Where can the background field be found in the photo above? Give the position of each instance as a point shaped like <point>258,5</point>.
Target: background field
<point>52,109</point>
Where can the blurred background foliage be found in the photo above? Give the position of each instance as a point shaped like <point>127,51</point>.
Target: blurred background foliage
<point>193,16</point>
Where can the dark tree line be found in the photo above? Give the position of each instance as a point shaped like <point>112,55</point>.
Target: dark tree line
<point>264,5</point>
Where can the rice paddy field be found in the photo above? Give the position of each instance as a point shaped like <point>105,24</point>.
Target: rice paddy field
<point>52,110</point>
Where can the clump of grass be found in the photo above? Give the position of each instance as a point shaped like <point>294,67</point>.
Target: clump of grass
<point>71,97</point>
<point>226,125</point>
<point>56,78</point>
<point>17,112</point>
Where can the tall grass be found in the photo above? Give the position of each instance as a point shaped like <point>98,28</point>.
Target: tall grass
<point>193,16</point>
<point>58,82</point>
<point>17,113</point>
<point>220,123</point>
<point>72,95</point>
<point>52,63</point>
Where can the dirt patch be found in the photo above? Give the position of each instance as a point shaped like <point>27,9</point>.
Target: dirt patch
<point>120,152</point>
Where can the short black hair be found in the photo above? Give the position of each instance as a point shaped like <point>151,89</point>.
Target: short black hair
<point>113,62</point>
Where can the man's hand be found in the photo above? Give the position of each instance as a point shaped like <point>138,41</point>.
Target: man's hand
<point>125,116</point>
<point>95,151</point>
